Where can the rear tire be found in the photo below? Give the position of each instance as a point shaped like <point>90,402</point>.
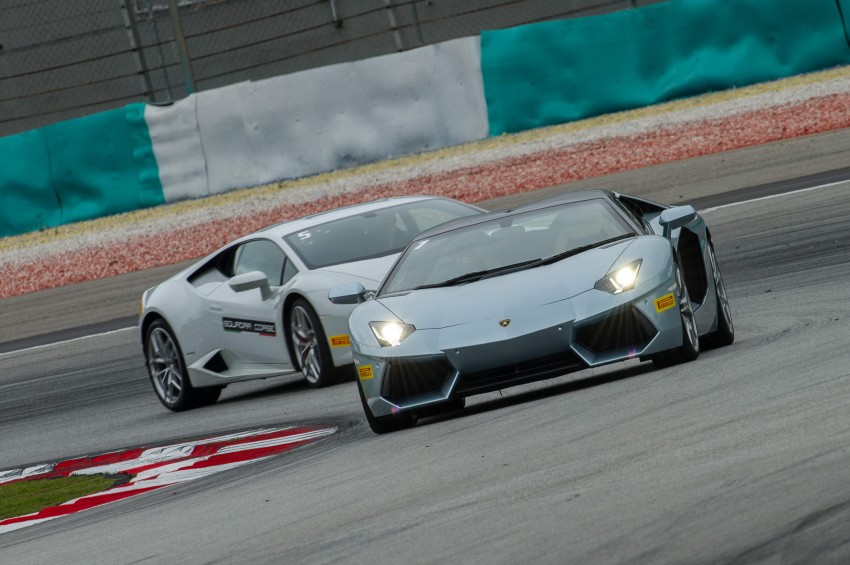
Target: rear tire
<point>690,348</point>
<point>167,371</point>
<point>725,332</point>
<point>384,424</point>
<point>310,345</point>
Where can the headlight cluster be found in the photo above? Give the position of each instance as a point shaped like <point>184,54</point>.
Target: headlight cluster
<point>620,280</point>
<point>390,334</point>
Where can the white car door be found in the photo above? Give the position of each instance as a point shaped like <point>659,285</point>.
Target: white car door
<point>249,321</point>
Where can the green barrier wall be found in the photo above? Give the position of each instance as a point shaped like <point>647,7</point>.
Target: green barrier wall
<point>77,170</point>
<point>555,72</point>
<point>27,199</point>
<point>844,9</point>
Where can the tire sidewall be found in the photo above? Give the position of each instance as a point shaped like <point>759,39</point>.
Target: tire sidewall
<point>725,332</point>
<point>327,371</point>
<point>182,399</point>
<point>689,351</point>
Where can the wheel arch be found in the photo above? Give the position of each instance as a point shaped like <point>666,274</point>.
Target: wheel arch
<point>285,309</point>
<point>692,260</point>
<point>148,319</point>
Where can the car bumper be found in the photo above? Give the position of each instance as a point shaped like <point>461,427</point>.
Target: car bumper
<point>592,329</point>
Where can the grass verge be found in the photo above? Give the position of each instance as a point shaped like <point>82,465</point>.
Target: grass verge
<point>25,497</point>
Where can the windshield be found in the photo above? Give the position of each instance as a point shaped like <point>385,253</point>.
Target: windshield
<point>506,245</point>
<point>372,234</point>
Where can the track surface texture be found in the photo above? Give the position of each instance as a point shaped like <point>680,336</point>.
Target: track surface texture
<point>741,456</point>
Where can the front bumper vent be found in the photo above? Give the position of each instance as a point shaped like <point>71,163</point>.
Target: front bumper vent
<point>405,379</point>
<point>625,329</point>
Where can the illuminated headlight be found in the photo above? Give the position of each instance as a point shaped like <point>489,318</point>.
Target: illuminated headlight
<point>619,280</point>
<point>389,334</point>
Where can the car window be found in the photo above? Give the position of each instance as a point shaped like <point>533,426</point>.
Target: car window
<point>634,213</point>
<point>289,271</point>
<point>261,255</point>
<point>507,241</point>
<point>372,234</point>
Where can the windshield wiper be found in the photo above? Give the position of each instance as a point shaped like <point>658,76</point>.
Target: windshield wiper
<point>478,275</point>
<point>582,249</point>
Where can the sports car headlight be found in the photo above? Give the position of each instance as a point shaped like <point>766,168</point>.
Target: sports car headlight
<point>619,280</point>
<point>391,333</point>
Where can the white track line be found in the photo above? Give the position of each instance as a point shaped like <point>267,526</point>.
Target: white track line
<point>791,193</point>
<point>81,338</point>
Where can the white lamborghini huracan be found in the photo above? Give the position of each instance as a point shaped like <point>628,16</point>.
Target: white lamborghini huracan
<point>258,307</point>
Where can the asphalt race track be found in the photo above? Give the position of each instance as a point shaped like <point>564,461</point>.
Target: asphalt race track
<point>741,456</point>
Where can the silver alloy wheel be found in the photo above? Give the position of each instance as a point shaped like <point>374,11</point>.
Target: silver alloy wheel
<point>164,366</point>
<point>687,310</point>
<point>720,290</point>
<point>306,344</point>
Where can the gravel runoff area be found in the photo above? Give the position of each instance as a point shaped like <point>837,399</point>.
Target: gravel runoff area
<point>508,164</point>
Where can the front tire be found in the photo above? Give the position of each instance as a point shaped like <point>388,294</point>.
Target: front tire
<point>690,348</point>
<point>725,332</point>
<point>310,345</point>
<point>384,424</point>
<point>168,374</point>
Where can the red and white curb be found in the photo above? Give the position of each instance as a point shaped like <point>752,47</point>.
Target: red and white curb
<point>153,468</point>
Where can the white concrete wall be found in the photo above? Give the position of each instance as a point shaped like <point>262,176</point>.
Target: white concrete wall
<point>177,147</point>
<point>321,120</point>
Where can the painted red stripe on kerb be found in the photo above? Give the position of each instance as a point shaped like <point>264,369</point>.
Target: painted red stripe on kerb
<point>205,455</point>
<point>247,455</point>
<point>209,452</point>
<point>65,468</point>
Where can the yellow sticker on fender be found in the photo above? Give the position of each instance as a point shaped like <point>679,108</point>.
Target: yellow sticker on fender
<point>665,303</point>
<point>340,341</point>
<point>365,372</point>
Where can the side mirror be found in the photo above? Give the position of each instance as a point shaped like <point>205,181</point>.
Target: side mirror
<point>351,293</point>
<point>673,218</point>
<point>250,281</point>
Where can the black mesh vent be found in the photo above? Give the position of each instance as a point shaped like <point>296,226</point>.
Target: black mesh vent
<point>626,329</point>
<point>410,377</point>
<point>519,373</point>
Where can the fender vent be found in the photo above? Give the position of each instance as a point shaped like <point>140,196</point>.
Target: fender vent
<point>216,364</point>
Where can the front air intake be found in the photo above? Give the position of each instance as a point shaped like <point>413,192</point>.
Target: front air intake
<point>404,379</point>
<point>627,328</point>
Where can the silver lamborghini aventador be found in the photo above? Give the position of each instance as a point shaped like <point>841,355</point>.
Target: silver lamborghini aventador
<point>494,300</point>
<point>258,307</point>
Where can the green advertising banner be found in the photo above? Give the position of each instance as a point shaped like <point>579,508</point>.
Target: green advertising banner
<point>77,170</point>
<point>555,72</point>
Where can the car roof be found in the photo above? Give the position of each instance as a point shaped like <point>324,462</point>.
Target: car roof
<point>305,222</point>
<point>565,198</point>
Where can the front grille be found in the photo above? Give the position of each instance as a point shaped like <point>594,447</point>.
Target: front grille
<point>518,373</point>
<point>625,329</point>
<point>407,378</point>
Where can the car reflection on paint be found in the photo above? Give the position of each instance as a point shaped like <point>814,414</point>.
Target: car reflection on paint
<point>258,307</point>
<point>495,300</point>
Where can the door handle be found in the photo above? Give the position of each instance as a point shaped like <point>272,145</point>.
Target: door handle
<point>215,307</point>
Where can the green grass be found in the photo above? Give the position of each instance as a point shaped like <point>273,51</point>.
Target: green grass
<point>25,497</point>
